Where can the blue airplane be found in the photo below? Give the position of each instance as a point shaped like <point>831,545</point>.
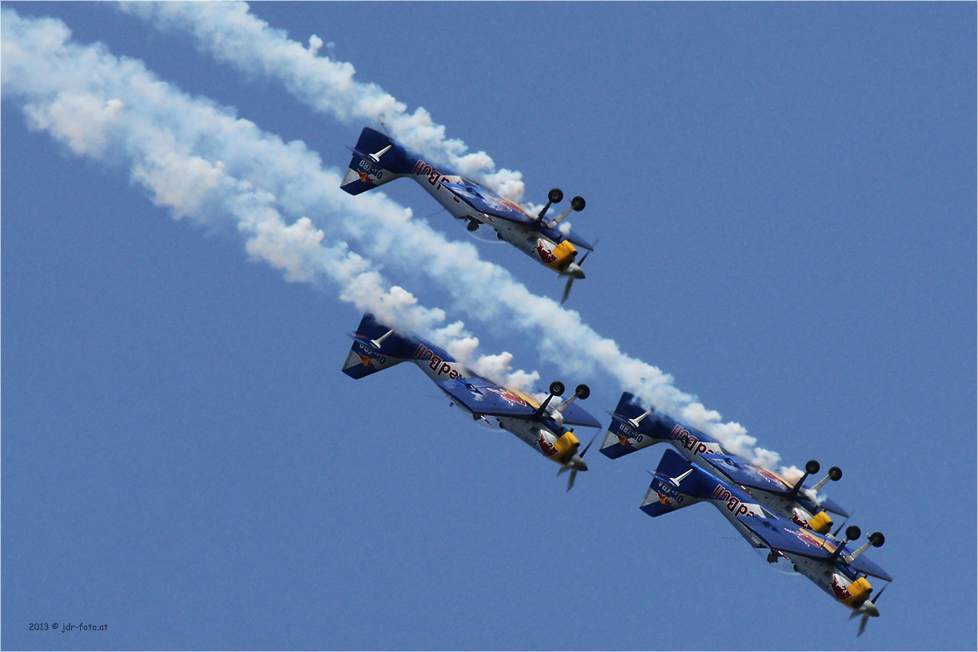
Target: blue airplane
<point>541,424</point>
<point>831,564</point>
<point>633,427</point>
<point>378,160</point>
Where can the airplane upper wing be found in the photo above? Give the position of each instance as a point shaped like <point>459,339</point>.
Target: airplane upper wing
<point>485,202</point>
<point>485,397</point>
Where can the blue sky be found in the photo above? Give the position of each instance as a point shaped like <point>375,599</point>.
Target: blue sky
<point>785,201</point>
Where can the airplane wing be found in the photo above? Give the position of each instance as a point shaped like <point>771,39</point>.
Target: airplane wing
<point>575,415</point>
<point>481,396</point>
<point>578,240</point>
<point>756,477</point>
<point>788,537</point>
<point>747,474</point>
<point>864,564</point>
<point>792,539</point>
<point>485,202</point>
<point>485,397</point>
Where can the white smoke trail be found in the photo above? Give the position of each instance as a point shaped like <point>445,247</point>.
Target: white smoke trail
<point>230,33</point>
<point>106,107</point>
<point>112,109</point>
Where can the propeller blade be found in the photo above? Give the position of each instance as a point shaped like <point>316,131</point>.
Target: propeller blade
<point>879,595</point>
<point>596,436</point>
<point>567,288</point>
<point>573,476</point>
<point>843,524</point>
<point>563,470</point>
<point>862,625</point>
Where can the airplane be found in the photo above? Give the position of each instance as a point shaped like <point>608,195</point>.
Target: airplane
<point>633,427</point>
<point>378,160</point>
<point>831,564</point>
<point>541,424</point>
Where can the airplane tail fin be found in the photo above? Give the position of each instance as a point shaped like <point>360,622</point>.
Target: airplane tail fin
<point>376,160</point>
<point>375,347</point>
<point>628,431</point>
<point>675,484</point>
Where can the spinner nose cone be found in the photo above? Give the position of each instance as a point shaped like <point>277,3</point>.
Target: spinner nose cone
<point>574,271</point>
<point>577,462</point>
<point>870,609</point>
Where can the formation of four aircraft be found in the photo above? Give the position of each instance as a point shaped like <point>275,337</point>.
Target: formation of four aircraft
<point>789,519</point>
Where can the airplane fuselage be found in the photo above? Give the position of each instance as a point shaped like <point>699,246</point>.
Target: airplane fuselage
<point>694,446</point>
<point>843,584</point>
<point>542,434</point>
<point>536,244</point>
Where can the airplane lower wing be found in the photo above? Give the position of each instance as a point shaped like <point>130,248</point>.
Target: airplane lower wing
<point>747,474</point>
<point>481,396</point>
<point>578,240</point>
<point>484,397</point>
<point>756,477</point>
<point>486,203</point>
<point>792,539</point>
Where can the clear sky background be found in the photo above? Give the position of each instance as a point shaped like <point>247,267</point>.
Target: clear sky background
<point>785,197</point>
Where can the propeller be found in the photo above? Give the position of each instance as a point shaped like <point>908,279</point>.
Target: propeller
<point>570,279</point>
<point>842,524</point>
<point>867,614</point>
<point>573,471</point>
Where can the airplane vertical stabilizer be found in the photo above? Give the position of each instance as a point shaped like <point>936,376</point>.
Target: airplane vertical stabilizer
<point>376,160</point>
<point>673,486</point>
<point>376,347</point>
<point>631,428</point>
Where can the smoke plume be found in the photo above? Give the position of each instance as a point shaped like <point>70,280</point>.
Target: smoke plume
<point>209,166</point>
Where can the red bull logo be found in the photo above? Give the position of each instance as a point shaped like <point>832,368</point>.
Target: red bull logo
<point>840,590</point>
<point>798,519</point>
<point>623,440</point>
<point>507,395</point>
<point>511,205</point>
<point>809,539</point>
<point>545,254</point>
<point>546,447</point>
